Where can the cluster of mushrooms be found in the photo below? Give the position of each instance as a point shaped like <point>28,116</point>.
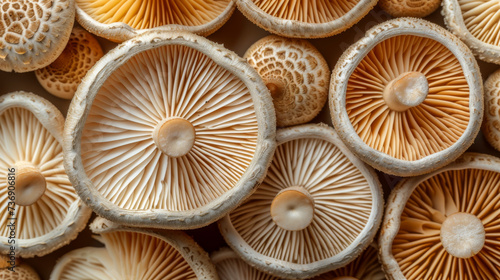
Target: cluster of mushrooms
<point>169,131</point>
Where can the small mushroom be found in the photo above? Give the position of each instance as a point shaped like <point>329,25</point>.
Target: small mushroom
<point>491,123</point>
<point>136,254</point>
<point>231,267</point>
<point>444,225</point>
<point>407,98</point>
<point>120,20</point>
<point>19,272</point>
<point>296,75</point>
<point>409,8</point>
<point>317,209</point>
<point>33,183</point>
<point>305,18</point>
<point>62,77</point>
<point>33,33</point>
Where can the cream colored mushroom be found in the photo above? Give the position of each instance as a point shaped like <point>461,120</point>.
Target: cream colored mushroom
<point>296,75</point>
<point>407,98</point>
<point>120,20</point>
<point>230,267</point>
<point>317,209</point>
<point>62,77</point>
<point>491,123</point>
<point>136,254</point>
<point>409,8</point>
<point>169,130</point>
<point>305,18</point>
<point>33,182</point>
<point>19,272</point>
<point>444,225</point>
<point>33,33</point>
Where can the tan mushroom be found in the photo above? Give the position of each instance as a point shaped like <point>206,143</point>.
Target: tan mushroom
<point>444,225</point>
<point>295,73</point>
<point>33,33</point>
<point>230,267</point>
<point>305,18</point>
<point>19,272</point>
<point>136,254</point>
<point>120,20</point>
<point>491,123</point>
<point>409,8</point>
<point>169,130</point>
<point>317,209</point>
<point>33,182</point>
<point>62,77</point>
<point>407,98</point>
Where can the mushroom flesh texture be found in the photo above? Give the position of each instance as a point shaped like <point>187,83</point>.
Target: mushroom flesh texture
<point>409,8</point>
<point>33,33</point>
<point>491,123</point>
<point>20,272</point>
<point>296,75</point>
<point>230,267</point>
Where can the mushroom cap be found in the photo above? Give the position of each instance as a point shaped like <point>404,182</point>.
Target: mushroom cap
<point>116,141</point>
<point>476,23</point>
<point>120,20</point>
<point>347,199</point>
<point>62,77</point>
<point>418,210</point>
<point>31,133</point>
<point>422,137</point>
<point>305,18</point>
<point>20,272</point>
<point>296,74</point>
<point>131,253</point>
<point>33,33</point>
<point>409,8</point>
<point>230,266</point>
<point>491,123</point>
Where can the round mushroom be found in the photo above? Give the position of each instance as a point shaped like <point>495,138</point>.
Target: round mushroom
<point>305,18</point>
<point>444,225</point>
<point>407,98</point>
<point>19,272</point>
<point>296,75</point>
<point>33,33</point>
<point>136,254</point>
<point>169,130</point>
<point>409,8</point>
<point>120,20</point>
<point>317,209</point>
<point>62,77</point>
<point>230,267</point>
<point>491,123</point>
<point>33,182</point>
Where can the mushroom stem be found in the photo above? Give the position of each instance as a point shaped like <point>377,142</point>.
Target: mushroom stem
<point>64,59</point>
<point>276,88</point>
<point>407,90</point>
<point>462,235</point>
<point>29,185</point>
<point>174,137</point>
<point>293,208</point>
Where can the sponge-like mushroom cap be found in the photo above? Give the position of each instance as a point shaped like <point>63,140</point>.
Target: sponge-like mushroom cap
<point>491,123</point>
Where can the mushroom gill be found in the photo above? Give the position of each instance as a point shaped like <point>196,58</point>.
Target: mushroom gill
<point>481,18</point>
<point>230,267</point>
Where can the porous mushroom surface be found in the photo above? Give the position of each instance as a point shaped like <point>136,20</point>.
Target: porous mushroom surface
<point>296,75</point>
<point>407,98</point>
<point>444,225</point>
<point>305,18</point>
<point>230,266</point>
<point>476,23</point>
<point>169,130</point>
<point>136,254</point>
<point>33,32</point>
<point>62,77</point>
<point>317,209</point>
<point>120,20</point>
<point>409,8</point>
<point>19,272</point>
<point>491,123</point>
<point>48,212</point>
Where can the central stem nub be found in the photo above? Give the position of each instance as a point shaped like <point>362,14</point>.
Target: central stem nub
<point>462,235</point>
<point>407,90</point>
<point>293,208</point>
<point>276,88</point>
<point>29,185</point>
<point>174,137</point>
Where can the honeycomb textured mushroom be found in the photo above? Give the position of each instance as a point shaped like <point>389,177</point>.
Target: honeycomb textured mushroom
<point>20,272</point>
<point>62,77</point>
<point>120,20</point>
<point>295,73</point>
<point>33,33</point>
<point>476,23</point>
<point>169,130</point>
<point>48,211</point>
<point>305,18</point>
<point>491,123</point>
<point>230,266</point>
<point>136,254</point>
<point>317,209</point>
<point>407,98</point>
<point>444,225</point>
<point>409,8</point>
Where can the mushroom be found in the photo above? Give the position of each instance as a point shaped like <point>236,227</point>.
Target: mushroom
<point>230,267</point>
<point>491,123</point>
<point>444,225</point>
<point>169,130</point>
<point>305,18</point>
<point>296,75</point>
<point>317,209</point>
<point>18,272</point>
<point>33,33</point>
<point>476,23</point>
<point>120,20</point>
<point>409,8</point>
<point>62,77</point>
<point>407,98</point>
<point>130,253</point>
<point>33,183</point>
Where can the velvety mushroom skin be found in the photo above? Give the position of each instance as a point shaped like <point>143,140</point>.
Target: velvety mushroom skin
<point>409,8</point>
<point>491,123</point>
<point>230,267</point>
<point>407,98</point>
